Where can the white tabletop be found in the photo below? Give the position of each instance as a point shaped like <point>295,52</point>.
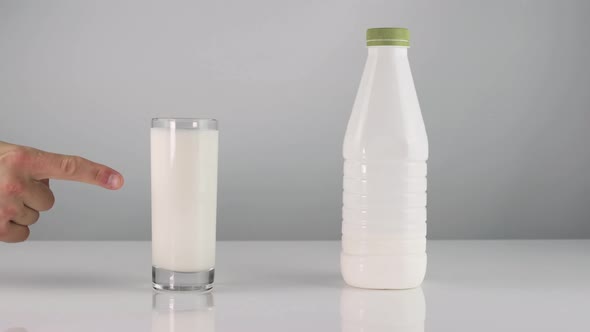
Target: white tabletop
<point>295,286</point>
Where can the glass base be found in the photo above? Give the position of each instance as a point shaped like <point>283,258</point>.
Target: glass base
<point>182,281</point>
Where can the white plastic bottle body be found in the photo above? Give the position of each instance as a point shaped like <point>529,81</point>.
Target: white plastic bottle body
<point>384,197</point>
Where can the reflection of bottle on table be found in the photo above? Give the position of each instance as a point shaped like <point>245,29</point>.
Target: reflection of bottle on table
<point>382,310</point>
<point>183,312</point>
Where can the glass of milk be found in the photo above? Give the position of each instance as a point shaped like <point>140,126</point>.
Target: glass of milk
<point>184,156</point>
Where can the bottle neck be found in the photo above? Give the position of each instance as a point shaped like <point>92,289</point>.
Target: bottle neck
<point>398,51</point>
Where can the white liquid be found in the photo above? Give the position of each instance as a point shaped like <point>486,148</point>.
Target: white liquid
<point>384,199</point>
<point>184,198</point>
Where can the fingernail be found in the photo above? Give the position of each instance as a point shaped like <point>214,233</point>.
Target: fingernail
<point>114,181</point>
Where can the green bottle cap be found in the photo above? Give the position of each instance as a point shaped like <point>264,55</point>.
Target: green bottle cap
<point>388,37</point>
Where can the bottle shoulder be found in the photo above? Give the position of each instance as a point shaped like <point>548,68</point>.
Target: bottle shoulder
<point>386,120</point>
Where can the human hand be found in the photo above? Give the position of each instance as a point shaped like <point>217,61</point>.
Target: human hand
<point>24,184</point>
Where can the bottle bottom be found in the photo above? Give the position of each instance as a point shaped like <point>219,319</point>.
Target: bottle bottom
<point>383,271</point>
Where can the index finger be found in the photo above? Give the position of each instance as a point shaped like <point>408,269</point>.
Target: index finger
<point>73,168</point>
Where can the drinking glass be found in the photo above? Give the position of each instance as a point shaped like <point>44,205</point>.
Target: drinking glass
<point>184,156</point>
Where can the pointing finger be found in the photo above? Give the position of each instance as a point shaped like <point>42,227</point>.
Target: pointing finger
<point>74,168</point>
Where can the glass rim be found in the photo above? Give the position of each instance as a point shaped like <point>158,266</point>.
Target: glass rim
<point>185,123</point>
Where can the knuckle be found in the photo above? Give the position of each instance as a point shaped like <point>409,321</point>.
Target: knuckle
<point>35,217</point>
<point>17,156</point>
<point>26,234</point>
<point>37,160</point>
<point>69,165</point>
<point>13,188</point>
<point>50,201</point>
<point>8,213</point>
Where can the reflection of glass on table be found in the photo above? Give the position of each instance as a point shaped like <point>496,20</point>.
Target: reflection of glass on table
<point>183,312</point>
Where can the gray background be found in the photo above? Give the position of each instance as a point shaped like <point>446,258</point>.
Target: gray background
<point>504,89</point>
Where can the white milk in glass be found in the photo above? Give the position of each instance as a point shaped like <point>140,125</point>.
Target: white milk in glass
<point>184,198</point>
